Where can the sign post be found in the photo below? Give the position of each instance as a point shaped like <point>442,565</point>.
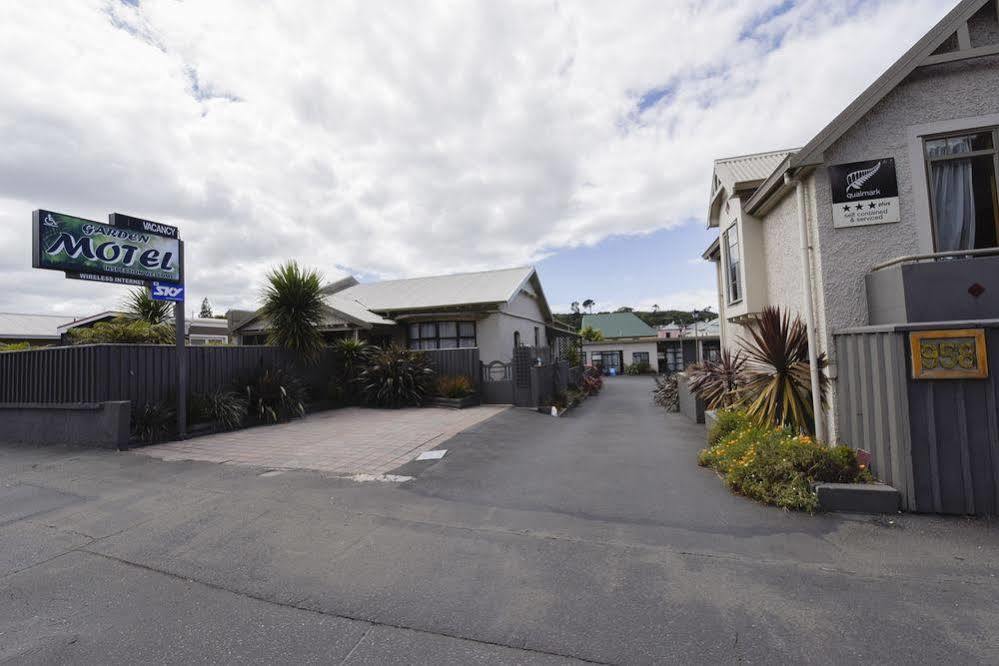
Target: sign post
<point>127,250</point>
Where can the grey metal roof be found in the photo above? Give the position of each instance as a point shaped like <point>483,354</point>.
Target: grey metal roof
<point>747,169</point>
<point>439,290</point>
<point>354,310</point>
<point>31,326</point>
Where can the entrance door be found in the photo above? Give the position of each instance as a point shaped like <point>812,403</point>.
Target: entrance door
<point>611,359</point>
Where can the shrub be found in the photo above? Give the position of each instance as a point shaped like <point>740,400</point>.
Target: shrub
<point>592,381</point>
<point>224,409</point>
<point>14,346</point>
<point>572,355</point>
<point>666,394</point>
<point>718,383</point>
<point>776,466</point>
<point>779,385</point>
<point>591,334</point>
<point>454,386</point>
<point>153,421</point>
<point>727,421</point>
<point>123,330</point>
<point>640,368</point>
<point>396,377</point>
<point>275,395</point>
<point>350,358</point>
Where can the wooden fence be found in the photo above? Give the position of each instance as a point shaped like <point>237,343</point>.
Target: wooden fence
<point>148,373</point>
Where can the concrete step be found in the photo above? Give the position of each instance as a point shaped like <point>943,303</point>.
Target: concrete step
<point>858,497</point>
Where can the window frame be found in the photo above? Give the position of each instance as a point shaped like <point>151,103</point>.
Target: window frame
<point>929,161</point>
<point>729,264</point>
<point>436,337</point>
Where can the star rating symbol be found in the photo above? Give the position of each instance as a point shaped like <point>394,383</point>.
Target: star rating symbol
<point>872,205</point>
<point>860,206</point>
<point>846,209</point>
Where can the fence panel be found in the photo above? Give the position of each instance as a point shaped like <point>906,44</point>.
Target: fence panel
<point>873,404</point>
<point>464,362</point>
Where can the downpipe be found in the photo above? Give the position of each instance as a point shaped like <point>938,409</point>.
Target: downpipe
<point>806,281</point>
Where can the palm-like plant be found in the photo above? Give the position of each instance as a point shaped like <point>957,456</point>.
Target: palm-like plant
<point>140,304</point>
<point>293,306</point>
<point>351,357</point>
<point>778,386</point>
<point>719,383</point>
<point>396,377</point>
<point>591,334</point>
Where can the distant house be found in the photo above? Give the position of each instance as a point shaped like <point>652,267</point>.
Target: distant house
<point>492,310</point>
<point>680,346</point>
<point>35,329</point>
<point>627,340</point>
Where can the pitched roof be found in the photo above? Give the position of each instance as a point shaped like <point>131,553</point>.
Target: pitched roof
<point>352,310</point>
<point>619,325</point>
<point>440,290</point>
<point>31,326</point>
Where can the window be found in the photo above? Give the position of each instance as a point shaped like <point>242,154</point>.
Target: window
<point>516,338</point>
<point>583,356</point>
<point>674,358</point>
<point>537,339</point>
<point>733,281</point>
<point>962,182</point>
<point>640,357</point>
<point>442,334</point>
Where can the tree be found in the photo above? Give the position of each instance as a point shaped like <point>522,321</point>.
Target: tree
<point>575,307</point>
<point>293,306</point>
<point>206,309</point>
<point>588,304</point>
<point>625,309</point>
<point>141,306</point>
<point>591,334</point>
<point>655,309</point>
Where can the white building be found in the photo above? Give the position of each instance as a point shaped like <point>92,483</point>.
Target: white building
<point>905,173</point>
<point>492,310</point>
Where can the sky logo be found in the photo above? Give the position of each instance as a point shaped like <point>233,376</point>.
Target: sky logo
<point>163,291</point>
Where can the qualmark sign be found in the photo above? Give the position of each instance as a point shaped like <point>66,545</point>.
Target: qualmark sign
<point>864,193</point>
<point>129,251</point>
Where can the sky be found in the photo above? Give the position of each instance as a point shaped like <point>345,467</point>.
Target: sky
<point>395,139</point>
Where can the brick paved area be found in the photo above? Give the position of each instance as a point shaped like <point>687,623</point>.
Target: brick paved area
<point>343,441</point>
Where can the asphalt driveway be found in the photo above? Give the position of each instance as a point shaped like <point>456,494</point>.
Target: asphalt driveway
<point>594,538</point>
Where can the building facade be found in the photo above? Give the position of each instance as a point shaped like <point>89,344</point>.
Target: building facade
<point>888,215</point>
<point>492,310</point>
<point>627,340</point>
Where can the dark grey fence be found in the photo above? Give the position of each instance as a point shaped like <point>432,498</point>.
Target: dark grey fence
<point>148,373</point>
<point>935,440</point>
<point>464,362</point>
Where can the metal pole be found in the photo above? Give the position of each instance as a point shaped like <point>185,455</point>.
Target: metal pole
<point>178,316</point>
<point>806,282</point>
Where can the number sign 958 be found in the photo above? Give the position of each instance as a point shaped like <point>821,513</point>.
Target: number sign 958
<point>949,354</point>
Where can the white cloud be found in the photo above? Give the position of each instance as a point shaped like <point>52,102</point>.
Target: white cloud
<point>403,138</point>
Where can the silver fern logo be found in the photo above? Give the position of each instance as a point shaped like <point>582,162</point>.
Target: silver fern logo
<point>857,179</point>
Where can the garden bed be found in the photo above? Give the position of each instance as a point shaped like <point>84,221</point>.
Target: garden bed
<point>776,466</point>
<point>456,403</point>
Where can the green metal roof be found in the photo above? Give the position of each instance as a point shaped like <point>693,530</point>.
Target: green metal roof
<point>619,325</point>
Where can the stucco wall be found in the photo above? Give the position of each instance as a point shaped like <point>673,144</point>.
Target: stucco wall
<point>938,93</point>
<point>626,349</point>
<point>495,333</point>
<point>782,256</point>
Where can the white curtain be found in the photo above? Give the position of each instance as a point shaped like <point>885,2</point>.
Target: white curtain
<point>954,197</point>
